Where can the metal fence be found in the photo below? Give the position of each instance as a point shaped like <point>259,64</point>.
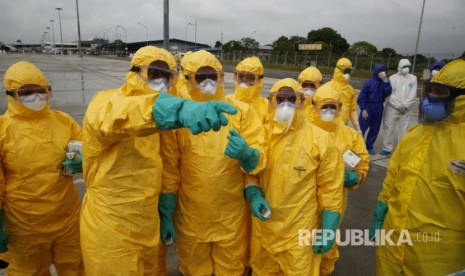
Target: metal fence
<point>359,62</point>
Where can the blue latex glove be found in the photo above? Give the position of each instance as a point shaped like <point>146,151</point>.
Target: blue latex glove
<point>170,112</point>
<point>378,220</point>
<point>166,206</point>
<point>3,236</point>
<point>237,148</point>
<point>74,165</point>
<point>329,224</point>
<point>351,179</point>
<point>258,203</point>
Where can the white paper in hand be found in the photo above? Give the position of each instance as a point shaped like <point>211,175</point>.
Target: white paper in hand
<point>351,160</point>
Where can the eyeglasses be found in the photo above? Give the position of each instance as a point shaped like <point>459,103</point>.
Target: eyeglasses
<point>321,105</point>
<point>308,84</point>
<point>149,72</point>
<point>436,92</point>
<point>247,77</point>
<point>297,98</point>
<point>28,90</point>
<point>197,78</point>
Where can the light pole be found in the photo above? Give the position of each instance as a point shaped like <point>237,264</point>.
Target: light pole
<point>79,30</point>
<point>146,31</point>
<point>418,37</point>
<point>53,32</point>
<point>125,33</point>
<point>185,36</point>
<point>61,33</point>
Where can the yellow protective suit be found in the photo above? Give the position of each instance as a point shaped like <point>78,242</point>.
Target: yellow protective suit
<point>252,95</point>
<point>345,138</point>
<point>347,93</point>
<point>41,205</point>
<point>123,172</point>
<point>210,216</point>
<point>302,178</point>
<point>425,193</point>
<point>314,75</point>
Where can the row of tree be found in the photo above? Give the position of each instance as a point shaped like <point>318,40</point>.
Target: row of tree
<point>330,39</point>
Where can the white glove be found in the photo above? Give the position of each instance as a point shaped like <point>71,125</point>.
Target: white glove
<point>364,114</point>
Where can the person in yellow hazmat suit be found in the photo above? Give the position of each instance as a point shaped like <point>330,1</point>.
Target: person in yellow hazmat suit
<point>123,167</point>
<point>204,177</point>
<point>423,195</point>
<point>300,186</point>
<point>39,205</point>
<point>310,79</point>
<point>248,83</point>
<point>340,82</point>
<point>327,107</point>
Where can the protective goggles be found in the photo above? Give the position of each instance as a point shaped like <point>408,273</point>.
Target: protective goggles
<point>345,69</point>
<point>321,105</point>
<point>149,72</point>
<point>197,78</point>
<point>437,92</point>
<point>296,98</point>
<point>247,77</point>
<point>309,84</point>
<point>28,90</point>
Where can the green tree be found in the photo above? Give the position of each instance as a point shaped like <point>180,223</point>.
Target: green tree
<point>362,48</point>
<point>388,51</point>
<point>249,43</point>
<point>285,44</point>
<point>218,44</point>
<point>232,45</point>
<point>329,36</point>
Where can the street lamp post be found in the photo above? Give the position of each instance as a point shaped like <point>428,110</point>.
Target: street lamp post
<point>79,29</point>
<point>418,37</point>
<point>146,31</point>
<point>195,37</point>
<point>61,33</point>
<point>53,32</point>
<point>125,35</point>
<point>48,32</point>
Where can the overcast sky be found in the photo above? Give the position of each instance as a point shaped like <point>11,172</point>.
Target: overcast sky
<point>388,23</point>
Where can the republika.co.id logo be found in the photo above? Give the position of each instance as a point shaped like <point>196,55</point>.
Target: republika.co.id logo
<point>357,237</point>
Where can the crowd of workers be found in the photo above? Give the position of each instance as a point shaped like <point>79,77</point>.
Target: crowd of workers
<point>231,180</point>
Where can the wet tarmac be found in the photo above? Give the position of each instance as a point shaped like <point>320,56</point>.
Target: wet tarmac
<point>76,80</point>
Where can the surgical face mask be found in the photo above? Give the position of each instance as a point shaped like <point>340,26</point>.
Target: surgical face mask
<point>36,101</point>
<point>208,86</point>
<point>308,92</point>
<point>405,70</point>
<point>434,72</point>
<point>347,77</point>
<point>284,112</point>
<point>382,75</point>
<point>328,114</point>
<point>433,112</point>
<point>160,84</point>
<point>244,85</point>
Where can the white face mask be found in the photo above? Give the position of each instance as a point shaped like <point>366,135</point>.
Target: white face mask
<point>244,85</point>
<point>347,77</point>
<point>382,75</point>
<point>434,72</point>
<point>405,70</point>
<point>308,92</point>
<point>284,112</point>
<point>208,86</point>
<point>160,85</point>
<point>328,114</point>
<point>36,101</point>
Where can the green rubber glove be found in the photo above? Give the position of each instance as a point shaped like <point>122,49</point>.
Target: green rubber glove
<point>378,220</point>
<point>351,179</point>
<point>258,204</point>
<point>74,165</point>
<point>330,222</point>
<point>237,148</point>
<point>170,112</point>
<point>3,236</point>
<point>166,206</point>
